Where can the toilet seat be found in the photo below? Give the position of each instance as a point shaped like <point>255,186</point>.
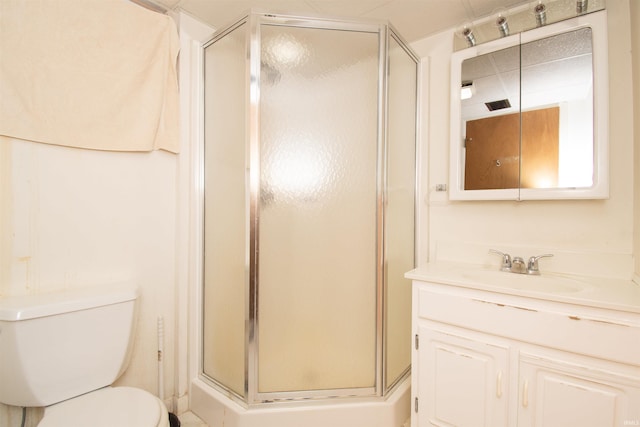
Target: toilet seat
<point>108,407</point>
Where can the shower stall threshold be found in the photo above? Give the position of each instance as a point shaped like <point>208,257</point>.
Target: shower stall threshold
<point>218,410</point>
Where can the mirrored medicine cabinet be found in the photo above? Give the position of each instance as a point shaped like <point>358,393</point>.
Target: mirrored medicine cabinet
<point>529,115</point>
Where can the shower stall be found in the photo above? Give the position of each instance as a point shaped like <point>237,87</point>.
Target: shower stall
<point>309,189</point>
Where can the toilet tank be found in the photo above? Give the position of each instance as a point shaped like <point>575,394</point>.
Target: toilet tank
<point>55,346</point>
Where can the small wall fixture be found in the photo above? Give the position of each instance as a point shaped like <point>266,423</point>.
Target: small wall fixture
<point>540,11</point>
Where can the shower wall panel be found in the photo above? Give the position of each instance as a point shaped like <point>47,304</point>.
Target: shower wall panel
<point>225,258</point>
<point>400,208</point>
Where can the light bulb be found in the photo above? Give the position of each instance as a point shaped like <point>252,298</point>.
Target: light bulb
<point>467,33</point>
<point>540,11</point>
<point>581,6</point>
<point>501,22</point>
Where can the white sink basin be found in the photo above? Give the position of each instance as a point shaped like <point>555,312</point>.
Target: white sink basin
<point>547,283</point>
<point>610,293</point>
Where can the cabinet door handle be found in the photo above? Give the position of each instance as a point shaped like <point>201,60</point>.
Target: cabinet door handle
<point>525,394</point>
<point>499,384</point>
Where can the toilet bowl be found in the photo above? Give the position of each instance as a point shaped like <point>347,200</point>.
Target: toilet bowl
<point>63,351</point>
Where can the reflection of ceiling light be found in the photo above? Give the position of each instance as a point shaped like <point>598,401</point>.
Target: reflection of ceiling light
<point>543,181</point>
<point>285,50</point>
<point>288,52</point>
<point>298,170</point>
<point>466,91</point>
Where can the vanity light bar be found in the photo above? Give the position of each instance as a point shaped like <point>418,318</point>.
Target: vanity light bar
<point>503,21</point>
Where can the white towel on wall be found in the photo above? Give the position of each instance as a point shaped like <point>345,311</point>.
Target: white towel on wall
<point>97,74</point>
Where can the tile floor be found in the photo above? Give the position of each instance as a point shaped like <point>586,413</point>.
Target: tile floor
<point>189,419</point>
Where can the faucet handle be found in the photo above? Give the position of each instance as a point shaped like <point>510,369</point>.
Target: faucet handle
<point>532,267</point>
<point>506,260</point>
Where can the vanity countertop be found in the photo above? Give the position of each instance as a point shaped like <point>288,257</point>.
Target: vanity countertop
<point>616,294</point>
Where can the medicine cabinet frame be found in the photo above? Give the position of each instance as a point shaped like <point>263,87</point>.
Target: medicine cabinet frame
<point>597,21</point>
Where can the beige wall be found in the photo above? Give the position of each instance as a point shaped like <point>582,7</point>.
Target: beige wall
<point>635,49</point>
<point>74,218</point>
<point>587,232</point>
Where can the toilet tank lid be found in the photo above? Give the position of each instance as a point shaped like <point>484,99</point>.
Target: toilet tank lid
<point>23,307</point>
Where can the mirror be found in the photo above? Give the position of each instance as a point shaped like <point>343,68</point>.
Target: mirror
<point>529,115</point>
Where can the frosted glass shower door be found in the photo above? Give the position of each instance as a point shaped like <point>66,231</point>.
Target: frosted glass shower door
<point>400,209</point>
<point>226,237</point>
<point>319,154</point>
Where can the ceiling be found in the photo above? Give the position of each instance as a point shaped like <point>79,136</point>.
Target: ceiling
<point>413,19</point>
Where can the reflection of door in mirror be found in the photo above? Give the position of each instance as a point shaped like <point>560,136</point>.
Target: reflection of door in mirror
<point>558,71</point>
<point>493,151</point>
<point>492,131</point>
<point>540,148</point>
<point>534,96</point>
<point>550,81</point>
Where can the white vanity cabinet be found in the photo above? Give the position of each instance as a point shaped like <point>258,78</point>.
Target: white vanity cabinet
<point>497,356</point>
<point>564,392</point>
<point>465,380</point>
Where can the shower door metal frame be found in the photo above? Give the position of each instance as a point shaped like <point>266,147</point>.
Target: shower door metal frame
<point>253,20</point>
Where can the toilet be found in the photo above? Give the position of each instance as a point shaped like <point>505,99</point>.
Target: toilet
<point>63,351</point>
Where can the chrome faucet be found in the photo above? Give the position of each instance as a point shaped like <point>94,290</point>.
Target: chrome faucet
<point>517,265</point>
<point>532,266</point>
<point>506,260</point>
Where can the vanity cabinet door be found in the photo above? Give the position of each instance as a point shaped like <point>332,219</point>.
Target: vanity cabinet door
<point>462,381</point>
<point>556,393</point>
